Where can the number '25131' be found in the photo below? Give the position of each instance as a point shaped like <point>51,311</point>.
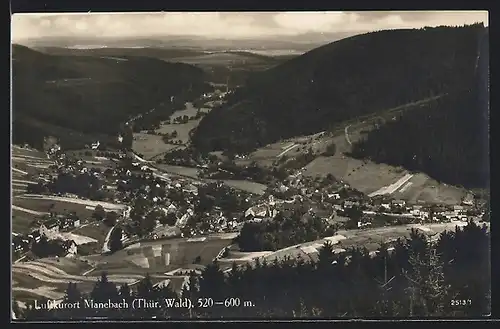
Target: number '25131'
<point>460,302</point>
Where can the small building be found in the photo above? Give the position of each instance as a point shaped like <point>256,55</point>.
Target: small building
<point>350,204</point>
<point>335,196</point>
<point>386,206</point>
<point>468,200</point>
<point>50,227</point>
<point>95,145</point>
<point>70,247</point>
<point>399,203</point>
<point>363,225</point>
<point>35,236</point>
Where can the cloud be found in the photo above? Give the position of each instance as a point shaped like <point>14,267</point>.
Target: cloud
<point>227,24</point>
<point>310,21</point>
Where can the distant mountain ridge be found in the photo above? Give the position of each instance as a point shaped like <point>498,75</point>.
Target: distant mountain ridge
<point>302,42</point>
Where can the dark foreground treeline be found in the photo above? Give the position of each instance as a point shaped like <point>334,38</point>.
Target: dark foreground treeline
<point>450,277</point>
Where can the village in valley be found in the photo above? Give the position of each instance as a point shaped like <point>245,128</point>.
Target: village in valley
<point>193,169</point>
<point>98,201</point>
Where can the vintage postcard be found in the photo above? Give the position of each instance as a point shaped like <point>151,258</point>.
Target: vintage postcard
<point>250,165</point>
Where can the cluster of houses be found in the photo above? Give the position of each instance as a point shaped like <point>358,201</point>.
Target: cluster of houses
<point>342,200</point>
<point>49,228</point>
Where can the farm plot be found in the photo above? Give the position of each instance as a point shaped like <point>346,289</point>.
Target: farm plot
<point>150,145</point>
<point>189,110</point>
<point>22,221</point>
<point>179,170</point>
<point>182,129</point>
<point>47,205</point>
<point>267,155</point>
<point>28,294</point>
<point>153,145</point>
<point>85,202</point>
<point>21,151</point>
<point>181,252</point>
<point>423,188</point>
<point>96,230</point>
<point>247,186</point>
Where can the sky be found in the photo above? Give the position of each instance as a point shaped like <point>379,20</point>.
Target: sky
<point>227,24</point>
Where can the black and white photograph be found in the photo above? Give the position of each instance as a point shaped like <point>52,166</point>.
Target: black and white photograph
<point>182,166</point>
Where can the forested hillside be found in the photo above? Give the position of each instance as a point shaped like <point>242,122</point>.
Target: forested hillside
<point>447,278</point>
<point>343,80</point>
<point>447,138</point>
<point>92,95</point>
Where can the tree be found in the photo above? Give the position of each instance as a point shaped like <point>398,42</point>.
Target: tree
<point>145,288</point>
<point>73,295</point>
<point>99,213</point>
<point>168,219</point>
<point>115,239</point>
<point>148,223</point>
<point>103,291</point>
<point>111,218</point>
<point>326,255</point>
<point>330,150</point>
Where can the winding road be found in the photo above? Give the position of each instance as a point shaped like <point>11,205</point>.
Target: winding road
<point>346,131</point>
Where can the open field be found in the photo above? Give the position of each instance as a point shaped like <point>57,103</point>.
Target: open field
<point>96,230</point>
<point>267,155</point>
<point>189,110</point>
<point>27,162</point>
<point>21,221</point>
<point>247,186</point>
<point>159,256</point>
<point>151,145</point>
<point>53,275</point>
<point>226,59</point>
<point>179,170</point>
<point>91,158</point>
<point>45,205</point>
<point>182,129</point>
<point>75,201</point>
<point>28,294</point>
<point>28,152</point>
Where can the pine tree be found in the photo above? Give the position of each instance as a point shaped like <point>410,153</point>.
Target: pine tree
<point>145,288</point>
<point>326,255</point>
<point>385,303</point>
<point>103,291</point>
<point>72,295</point>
